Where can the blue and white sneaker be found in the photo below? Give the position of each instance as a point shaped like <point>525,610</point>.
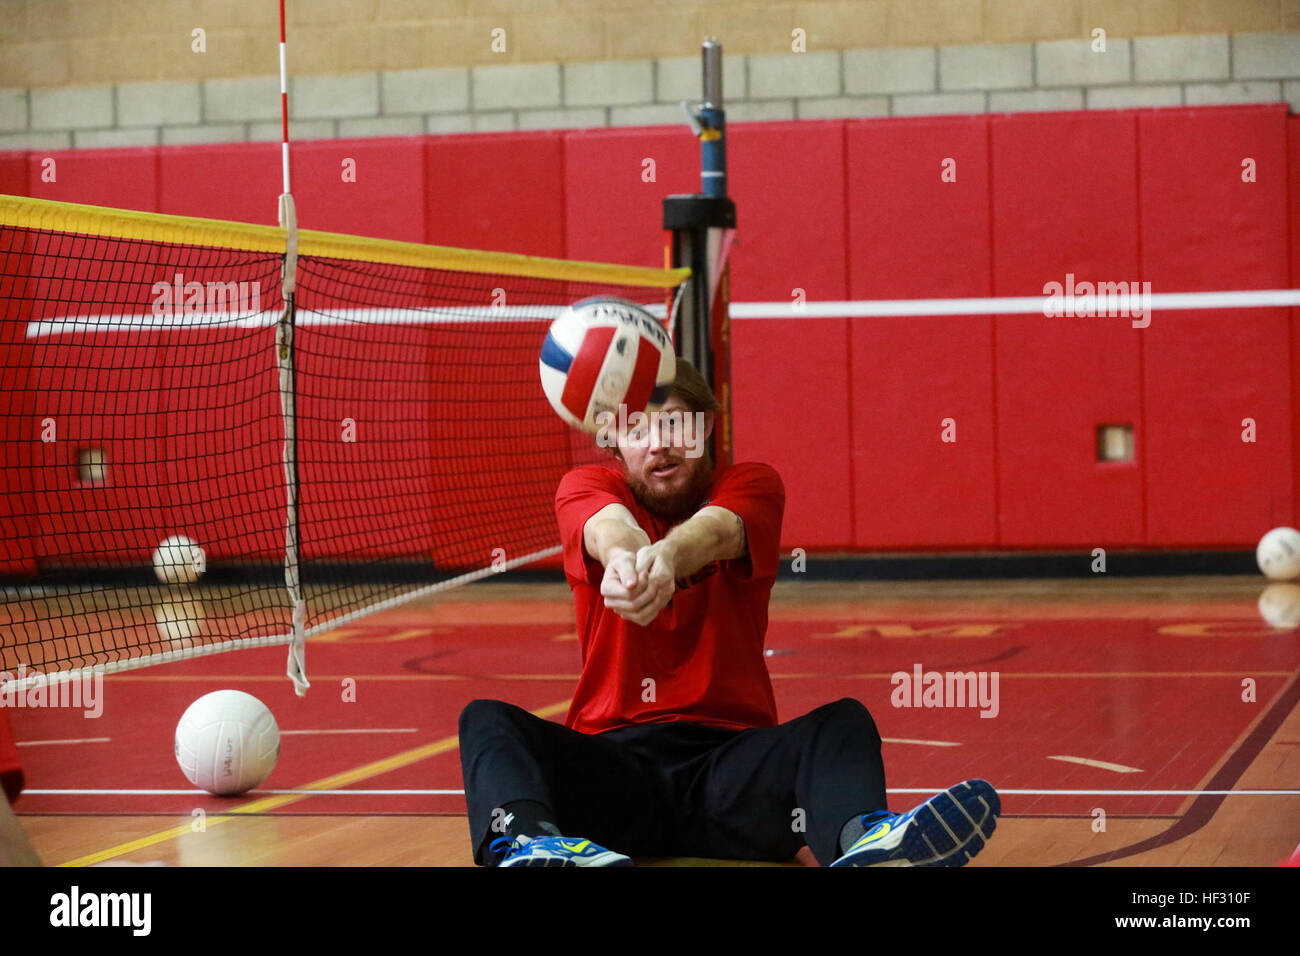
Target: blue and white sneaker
<point>946,830</point>
<point>555,851</point>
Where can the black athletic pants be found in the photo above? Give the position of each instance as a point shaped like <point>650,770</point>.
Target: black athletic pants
<point>677,789</point>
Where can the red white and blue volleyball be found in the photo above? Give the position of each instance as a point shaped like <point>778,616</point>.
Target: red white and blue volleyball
<point>602,353</point>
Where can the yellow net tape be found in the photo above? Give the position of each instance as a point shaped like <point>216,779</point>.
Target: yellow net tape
<point>104,222</point>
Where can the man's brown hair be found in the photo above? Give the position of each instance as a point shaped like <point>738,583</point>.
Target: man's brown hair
<point>693,389</point>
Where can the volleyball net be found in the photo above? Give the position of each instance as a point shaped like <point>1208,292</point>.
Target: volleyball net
<point>167,419</point>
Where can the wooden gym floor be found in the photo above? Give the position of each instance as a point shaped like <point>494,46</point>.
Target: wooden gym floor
<point>1126,730</point>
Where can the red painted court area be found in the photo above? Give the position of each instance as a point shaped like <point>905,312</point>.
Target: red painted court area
<point>1139,695</point>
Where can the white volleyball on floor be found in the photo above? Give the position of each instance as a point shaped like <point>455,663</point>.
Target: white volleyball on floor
<point>227,742</point>
<point>1278,554</point>
<point>178,560</point>
<point>1279,605</point>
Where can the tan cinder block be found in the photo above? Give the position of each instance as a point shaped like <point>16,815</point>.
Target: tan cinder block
<point>360,48</point>
<point>216,14</point>
<point>506,8</point>
<point>841,25</point>
<point>312,49</point>
<point>605,6</point>
<point>400,46</point>
<point>90,60</point>
<point>46,63</point>
<point>331,13</point>
<point>228,53</point>
<point>1031,19</point>
<point>532,38</point>
<point>12,25</point>
<point>49,42</point>
<point>421,9</point>
<point>137,18</point>
<point>662,33</point>
<point>937,22</point>
<point>1119,18</point>
<point>596,6</point>
<point>750,28</point>
<point>59,19</point>
<point>1227,16</point>
<point>1157,17</point>
<point>436,44</point>
<point>240,53</point>
<point>171,55</point>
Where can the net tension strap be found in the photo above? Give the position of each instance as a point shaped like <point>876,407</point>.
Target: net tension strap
<point>296,669</point>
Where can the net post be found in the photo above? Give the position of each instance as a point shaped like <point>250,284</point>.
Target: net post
<point>698,231</point>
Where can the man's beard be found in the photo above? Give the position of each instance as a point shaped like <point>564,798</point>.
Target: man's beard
<point>673,506</point>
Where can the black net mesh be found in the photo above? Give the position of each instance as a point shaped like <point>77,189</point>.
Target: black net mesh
<point>142,405</point>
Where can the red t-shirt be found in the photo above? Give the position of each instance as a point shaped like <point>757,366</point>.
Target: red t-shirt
<point>11,771</point>
<point>704,651</point>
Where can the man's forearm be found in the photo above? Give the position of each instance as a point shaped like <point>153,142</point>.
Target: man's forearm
<point>713,534</point>
<point>609,536</point>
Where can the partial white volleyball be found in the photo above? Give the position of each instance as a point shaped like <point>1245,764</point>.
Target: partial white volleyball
<point>1278,554</point>
<point>605,352</point>
<point>178,560</point>
<point>179,622</point>
<point>227,742</point>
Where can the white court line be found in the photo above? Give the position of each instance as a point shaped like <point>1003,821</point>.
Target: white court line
<point>78,740</point>
<point>923,743</point>
<point>1099,764</point>
<point>367,730</point>
<point>929,791</point>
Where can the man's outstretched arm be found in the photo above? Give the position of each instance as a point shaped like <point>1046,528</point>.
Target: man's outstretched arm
<point>613,538</point>
<point>711,534</point>
<point>640,577</point>
<point>612,532</point>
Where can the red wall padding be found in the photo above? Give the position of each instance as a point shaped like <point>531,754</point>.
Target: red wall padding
<point>126,178</point>
<point>613,209</point>
<point>786,368</point>
<point>386,199</point>
<point>503,192</point>
<point>239,181</point>
<point>912,235</point>
<point>1059,211</point>
<point>850,411</point>
<point>222,442</point>
<point>20,426</point>
<point>1293,191</point>
<point>13,173</point>
<point>1203,228</point>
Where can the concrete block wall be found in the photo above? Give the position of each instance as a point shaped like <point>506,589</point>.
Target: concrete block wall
<point>1050,74</point>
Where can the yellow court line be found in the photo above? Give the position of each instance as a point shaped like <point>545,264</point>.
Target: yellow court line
<point>25,213</point>
<point>264,804</point>
<point>1099,764</point>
